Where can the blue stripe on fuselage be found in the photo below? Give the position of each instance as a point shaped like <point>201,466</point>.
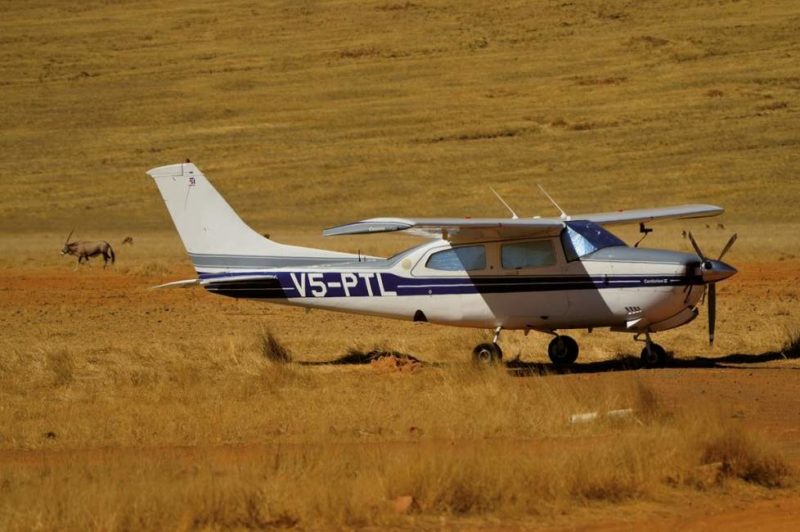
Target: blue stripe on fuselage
<point>365,284</point>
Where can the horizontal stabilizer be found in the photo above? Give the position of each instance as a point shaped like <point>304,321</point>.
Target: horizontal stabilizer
<point>217,281</point>
<point>186,283</point>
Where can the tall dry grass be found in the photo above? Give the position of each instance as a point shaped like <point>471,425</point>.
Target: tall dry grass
<point>272,349</point>
<point>282,445</point>
<point>791,347</point>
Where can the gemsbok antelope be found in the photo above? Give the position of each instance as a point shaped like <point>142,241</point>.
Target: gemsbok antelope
<point>83,250</point>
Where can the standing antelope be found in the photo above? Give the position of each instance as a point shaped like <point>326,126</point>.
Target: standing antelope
<point>84,250</point>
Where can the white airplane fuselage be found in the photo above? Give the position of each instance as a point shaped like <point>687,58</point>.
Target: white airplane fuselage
<point>620,287</point>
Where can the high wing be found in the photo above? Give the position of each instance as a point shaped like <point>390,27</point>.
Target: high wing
<point>454,229</point>
<point>649,215</point>
<point>477,229</point>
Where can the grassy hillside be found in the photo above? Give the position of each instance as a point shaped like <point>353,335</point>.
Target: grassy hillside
<point>313,113</point>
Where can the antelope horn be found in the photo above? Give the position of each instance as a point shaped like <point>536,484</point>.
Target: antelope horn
<point>68,236</point>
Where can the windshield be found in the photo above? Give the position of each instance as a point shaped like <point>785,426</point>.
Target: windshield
<point>581,238</point>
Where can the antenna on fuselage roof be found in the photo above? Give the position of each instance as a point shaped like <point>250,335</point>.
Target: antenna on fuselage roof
<point>564,216</point>
<point>513,214</point>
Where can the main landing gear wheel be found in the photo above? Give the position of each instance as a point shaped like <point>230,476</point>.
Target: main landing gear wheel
<point>563,350</point>
<point>653,356</point>
<point>487,354</point>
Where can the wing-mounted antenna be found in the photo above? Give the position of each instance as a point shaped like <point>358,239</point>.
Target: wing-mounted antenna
<point>564,216</point>
<point>513,214</point>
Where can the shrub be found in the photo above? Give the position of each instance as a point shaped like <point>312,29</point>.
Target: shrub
<point>791,348</point>
<point>273,350</point>
<point>60,363</point>
<point>741,457</point>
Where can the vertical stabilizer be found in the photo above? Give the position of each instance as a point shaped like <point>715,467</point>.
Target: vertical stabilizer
<point>214,236</point>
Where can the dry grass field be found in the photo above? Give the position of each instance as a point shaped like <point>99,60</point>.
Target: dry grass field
<point>125,408</point>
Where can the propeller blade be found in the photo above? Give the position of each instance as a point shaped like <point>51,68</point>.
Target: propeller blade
<point>696,247</point>
<point>727,246</point>
<point>712,311</point>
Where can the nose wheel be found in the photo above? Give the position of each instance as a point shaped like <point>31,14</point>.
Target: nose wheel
<point>563,350</point>
<point>653,355</point>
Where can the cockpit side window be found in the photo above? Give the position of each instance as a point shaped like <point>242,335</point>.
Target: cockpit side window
<point>465,258</point>
<point>581,238</point>
<point>532,254</point>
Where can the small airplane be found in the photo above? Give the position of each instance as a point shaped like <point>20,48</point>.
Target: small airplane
<point>532,274</point>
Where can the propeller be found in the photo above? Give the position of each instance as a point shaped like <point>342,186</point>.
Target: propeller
<point>712,312</point>
<point>728,246</point>
<point>707,269</point>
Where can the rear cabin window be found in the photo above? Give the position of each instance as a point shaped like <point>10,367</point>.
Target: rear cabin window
<point>467,258</point>
<point>533,254</point>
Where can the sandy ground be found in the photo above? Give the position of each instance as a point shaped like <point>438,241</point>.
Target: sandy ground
<point>758,390</point>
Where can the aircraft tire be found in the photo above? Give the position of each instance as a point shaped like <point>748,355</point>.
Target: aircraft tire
<point>655,357</point>
<point>487,353</point>
<point>563,350</point>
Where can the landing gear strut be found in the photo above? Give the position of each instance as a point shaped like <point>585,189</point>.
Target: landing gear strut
<point>653,355</point>
<point>563,350</point>
<point>488,353</point>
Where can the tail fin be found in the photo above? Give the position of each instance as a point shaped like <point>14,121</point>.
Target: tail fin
<point>214,236</point>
